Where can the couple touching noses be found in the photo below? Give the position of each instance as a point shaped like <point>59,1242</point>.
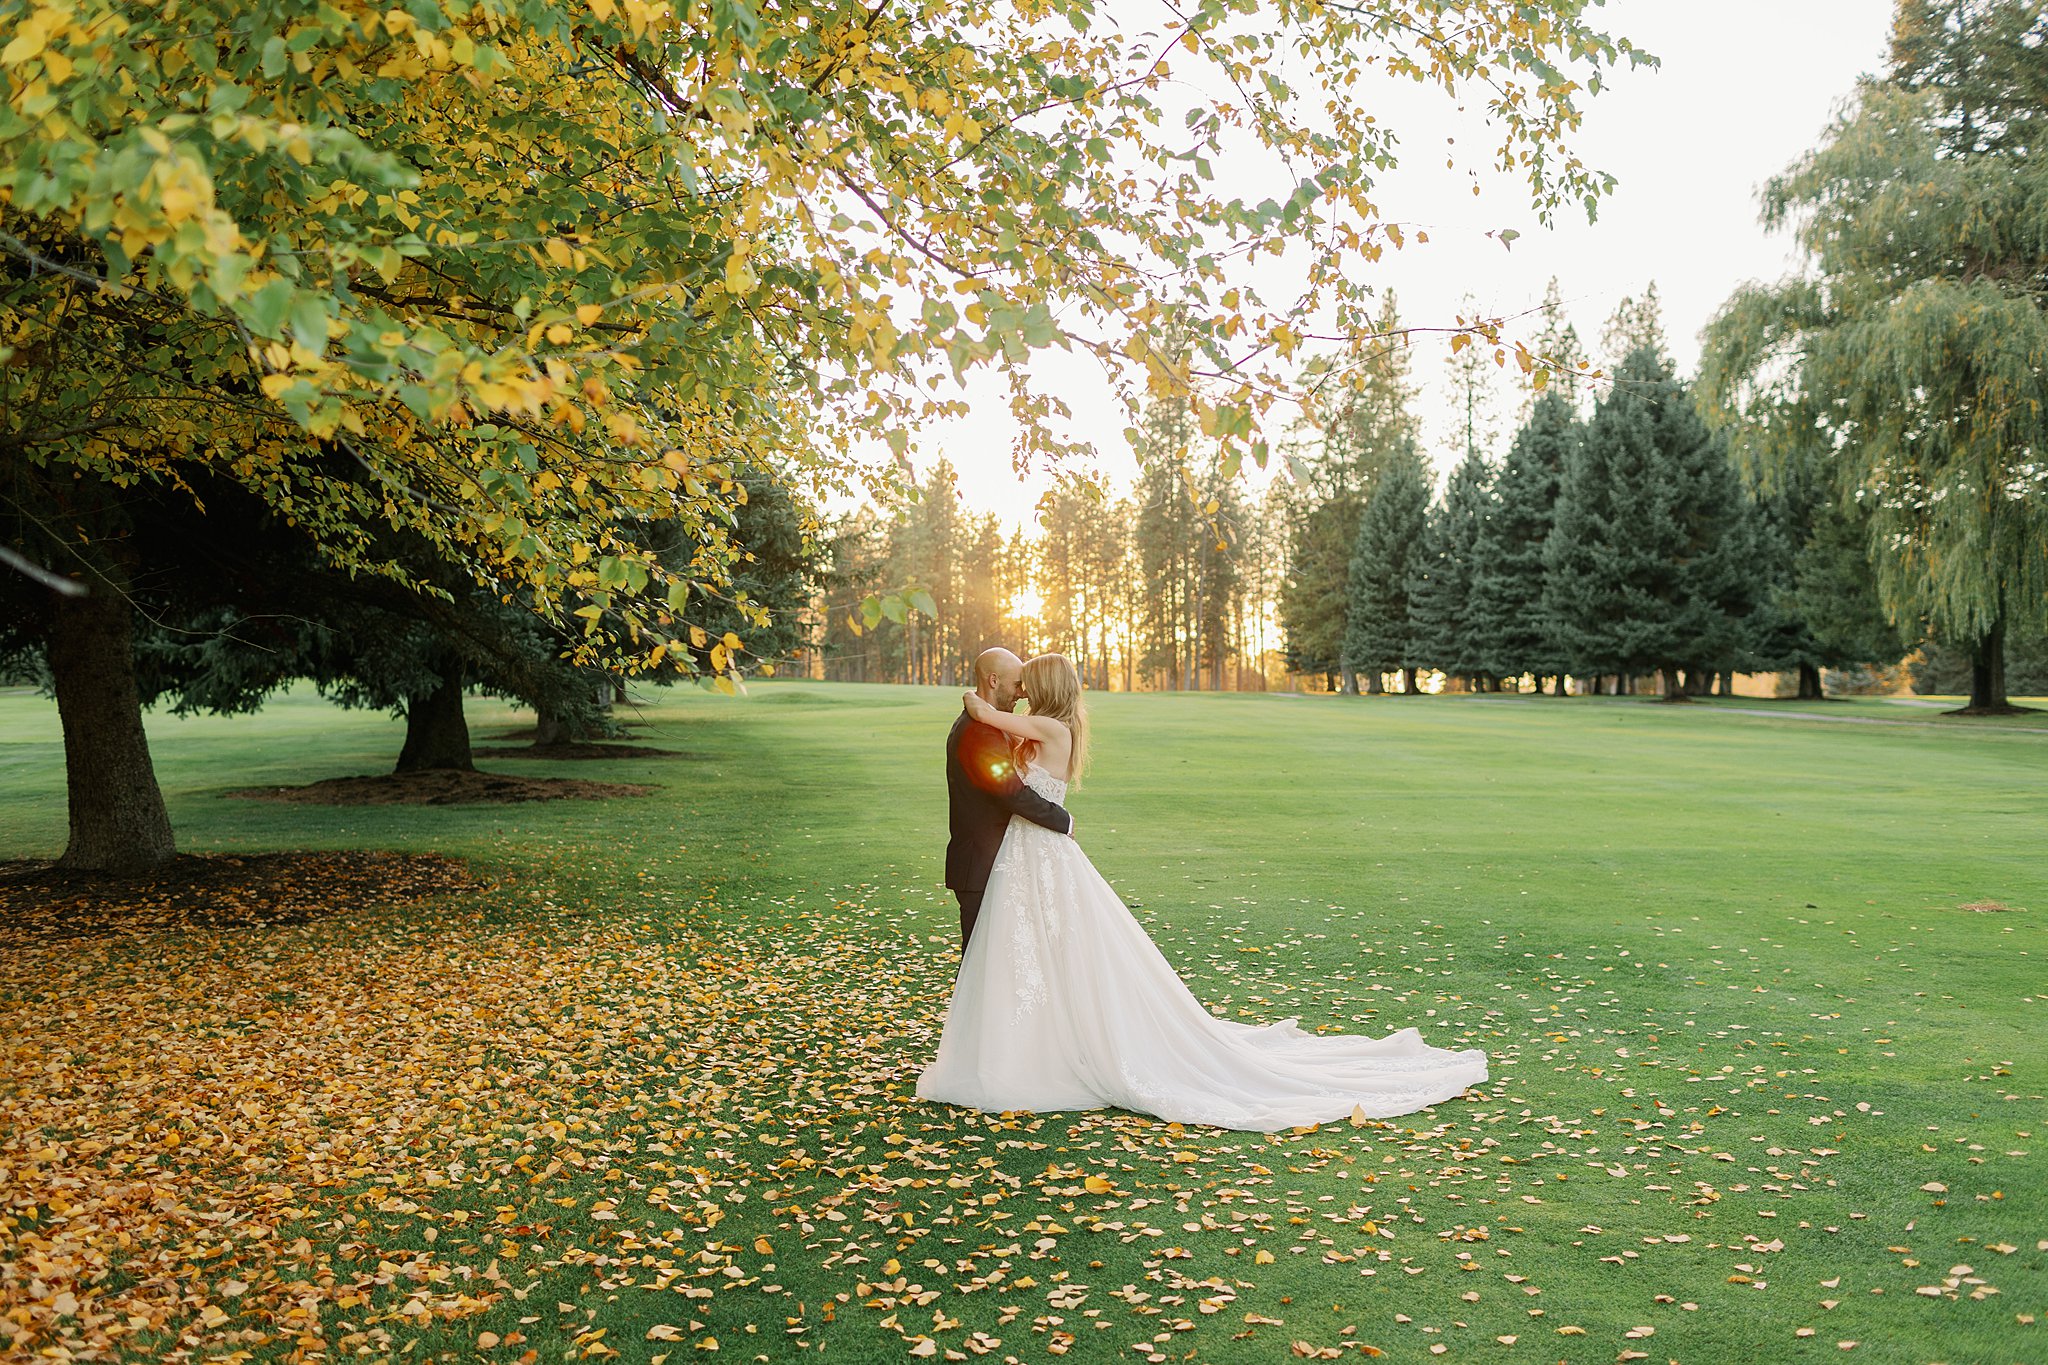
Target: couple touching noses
<point>1062,1000</point>
<point>986,755</point>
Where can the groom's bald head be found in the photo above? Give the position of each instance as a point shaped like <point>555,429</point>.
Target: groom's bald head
<point>997,675</point>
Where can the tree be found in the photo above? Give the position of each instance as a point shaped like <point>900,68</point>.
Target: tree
<point>1908,356</point>
<point>1649,550</point>
<point>1558,343</point>
<point>1635,324</point>
<point>1818,607</point>
<point>1166,542</point>
<point>1379,636</point>
<point>776,564</point>
<point>1441,573</point>
<point>1941,668</point>
<point>856,568</point>
<point>1475,414</point>
<point>1371,427</point>
<point>1508,568</point>
<point>514,276</point>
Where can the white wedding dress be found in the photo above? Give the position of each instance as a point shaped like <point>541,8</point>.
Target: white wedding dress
<point>1063,1002</point>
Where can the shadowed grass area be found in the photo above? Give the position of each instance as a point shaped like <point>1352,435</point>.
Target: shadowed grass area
<point>1764,996</point>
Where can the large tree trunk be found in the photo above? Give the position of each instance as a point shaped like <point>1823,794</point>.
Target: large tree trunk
<point>1809,684</point>
<point>1674,690</point>
<point>552,726</point>
<point>1350,681</point>
<point>1987,676</point>
<point>1408,681</point>
<point>118,822</point>
<point>1375,683</point>
<point>436,735</point>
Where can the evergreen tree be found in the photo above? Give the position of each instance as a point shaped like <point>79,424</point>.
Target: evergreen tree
<point>1715,588</point>
<point>1441,572</point>
<point>1819,606</point>
<point>1373,426</point>
<point>1220,578</point>
<point>777,565</point>
<point>1474,417</point>
<point>1835,593</point>
<point>977,615</point>
<point>1379,636</point>
<point>1167,547</point>
<point>1509,633</point>
<point>1320,531</point>
<point>1558,342</point>
<point>855,570</point>
<point>1636,324</point>
<point>1651,545</point>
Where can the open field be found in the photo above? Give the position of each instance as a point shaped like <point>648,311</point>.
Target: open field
<point>1766,998</point>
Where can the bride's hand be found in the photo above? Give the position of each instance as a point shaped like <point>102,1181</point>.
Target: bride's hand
<point>975,705</point>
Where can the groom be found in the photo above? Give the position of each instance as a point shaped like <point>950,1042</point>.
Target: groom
<point>984,790</point>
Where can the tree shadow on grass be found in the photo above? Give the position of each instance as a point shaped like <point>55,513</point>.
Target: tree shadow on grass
<point>42,903</point>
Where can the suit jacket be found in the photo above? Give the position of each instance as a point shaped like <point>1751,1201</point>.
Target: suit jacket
<point>983,790</point>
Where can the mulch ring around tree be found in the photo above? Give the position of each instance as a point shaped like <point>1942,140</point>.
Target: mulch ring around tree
<point>575,751</point>
<point>440,787</point>
<point>40,902</point>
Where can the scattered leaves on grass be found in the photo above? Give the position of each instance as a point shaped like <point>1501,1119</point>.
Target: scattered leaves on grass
<point>40,901</point>
<point>342,1137</point>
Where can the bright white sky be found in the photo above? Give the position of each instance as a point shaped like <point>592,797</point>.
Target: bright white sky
<point>1745,87</point>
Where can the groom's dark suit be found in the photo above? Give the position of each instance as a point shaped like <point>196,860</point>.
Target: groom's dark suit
<point>983,790</point>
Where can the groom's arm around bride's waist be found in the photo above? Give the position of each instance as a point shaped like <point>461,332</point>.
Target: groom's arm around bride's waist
<point>986,758</point>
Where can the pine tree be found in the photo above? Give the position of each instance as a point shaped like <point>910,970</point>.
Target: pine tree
<point>1320,531</point>
<point>1716,586</point>
<point>976,618</point>
<point>1219,584</point>
<point>1635,324</point>
<point>1373,426</point>
<point>1442,569</point>
<point>1165,538</point>
<point>1508,573</point>
<point>1835,593</point>
<point>1818,606</point>
<point>1378,635</point>
<point>1608,562</point>
<point>1558,342</point>
<point>1651,546</point>
<point>1472,372</point>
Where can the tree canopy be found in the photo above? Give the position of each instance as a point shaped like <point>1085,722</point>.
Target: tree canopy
<point>1912,354</point>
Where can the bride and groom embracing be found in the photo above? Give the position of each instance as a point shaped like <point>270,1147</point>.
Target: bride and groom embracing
<point>1063,1001</point>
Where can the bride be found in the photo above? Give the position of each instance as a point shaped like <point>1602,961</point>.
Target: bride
<point>1063,1002</point>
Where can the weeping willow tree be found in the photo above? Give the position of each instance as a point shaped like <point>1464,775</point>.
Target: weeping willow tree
<point>1910,356</point>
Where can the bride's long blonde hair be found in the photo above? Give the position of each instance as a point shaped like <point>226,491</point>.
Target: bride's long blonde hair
<point>1054,689</point>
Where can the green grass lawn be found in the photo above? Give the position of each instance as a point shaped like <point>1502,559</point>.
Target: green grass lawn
<point>1765,998</point>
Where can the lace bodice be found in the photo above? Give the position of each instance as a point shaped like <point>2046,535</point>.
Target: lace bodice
<point>1045,784</point>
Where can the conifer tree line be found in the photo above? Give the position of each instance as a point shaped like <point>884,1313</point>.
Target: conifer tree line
<point>1170,586</point>
<point>1614,543</point>
<point>1858,471</point>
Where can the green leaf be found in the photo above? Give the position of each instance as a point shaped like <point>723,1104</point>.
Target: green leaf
<point>309,321</point>
<point>265,310</point>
